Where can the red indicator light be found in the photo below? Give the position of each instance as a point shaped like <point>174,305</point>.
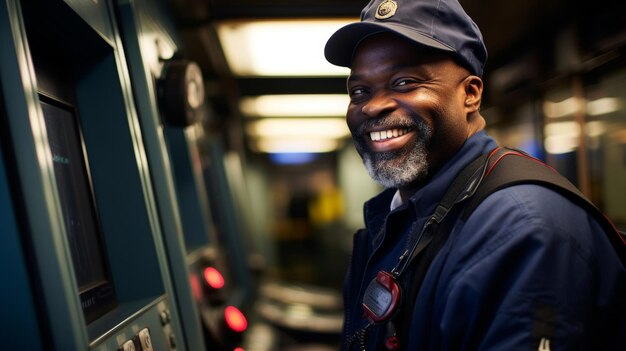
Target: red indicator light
<point>214,278</point>
<point>235,319</point>
<point>238,349</point>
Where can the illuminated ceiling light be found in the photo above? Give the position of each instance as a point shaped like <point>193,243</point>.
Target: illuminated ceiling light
<point>559,144</point>
<point>279,47</point>
<point>292,105</point>
<point>603,106</point>
<point>561,137</point>
<point>295,145</point>
<point>596,128</point>
<point>299,127</point>
<point>570,129</point>
<point>562,108</point>
<point>299,310</point>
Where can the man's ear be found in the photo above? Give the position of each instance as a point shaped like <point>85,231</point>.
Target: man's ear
<point>473,93</point>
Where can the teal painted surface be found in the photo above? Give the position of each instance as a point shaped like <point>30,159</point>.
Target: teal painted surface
<point>40,204</point>
<point>230,218</point>
<point>134,19</point>
<point>118,183</point>
<point>118,168</point>
<point>17,302</point>
<point>194,214</point>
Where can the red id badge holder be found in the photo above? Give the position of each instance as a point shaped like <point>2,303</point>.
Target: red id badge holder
<point>380,302</point>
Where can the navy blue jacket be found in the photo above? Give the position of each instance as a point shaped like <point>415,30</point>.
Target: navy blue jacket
<point>528,270</point>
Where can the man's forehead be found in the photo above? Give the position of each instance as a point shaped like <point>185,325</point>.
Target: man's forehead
<point>388,46</point>
<point>384,62</point>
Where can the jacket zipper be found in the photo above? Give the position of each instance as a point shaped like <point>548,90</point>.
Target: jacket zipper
<point>349,341</point>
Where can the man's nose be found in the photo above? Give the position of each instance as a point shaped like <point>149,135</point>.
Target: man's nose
<point>381,103</point>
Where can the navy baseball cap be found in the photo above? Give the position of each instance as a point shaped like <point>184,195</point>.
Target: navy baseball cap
<point>439,24</point>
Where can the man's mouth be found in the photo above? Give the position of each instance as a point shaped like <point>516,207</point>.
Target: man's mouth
<point>388,134</point>
<point>390,139</point>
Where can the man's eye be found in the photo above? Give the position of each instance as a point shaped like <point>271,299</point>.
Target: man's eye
<point>403,82</point>
<point>357,91</point>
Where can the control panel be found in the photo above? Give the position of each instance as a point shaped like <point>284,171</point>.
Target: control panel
<point>148,329</point>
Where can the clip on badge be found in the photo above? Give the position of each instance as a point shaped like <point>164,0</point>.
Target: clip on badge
<point>381,297</point>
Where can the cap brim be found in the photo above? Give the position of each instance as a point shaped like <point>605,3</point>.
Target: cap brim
<point>342,44</point>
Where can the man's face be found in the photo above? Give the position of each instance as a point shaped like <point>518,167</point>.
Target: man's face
<point>406,111</point>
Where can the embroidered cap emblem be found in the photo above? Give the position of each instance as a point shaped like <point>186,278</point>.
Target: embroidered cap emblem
<point>386,9</point>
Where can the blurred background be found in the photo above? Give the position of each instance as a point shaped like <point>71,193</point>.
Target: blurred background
<point>555,86</point>
<point>257,175</point>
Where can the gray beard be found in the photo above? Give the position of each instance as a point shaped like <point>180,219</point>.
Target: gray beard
<point>399,168</point>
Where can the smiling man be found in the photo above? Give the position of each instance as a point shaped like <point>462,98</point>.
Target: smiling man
<point>499,277</point>
<point>427,100</point>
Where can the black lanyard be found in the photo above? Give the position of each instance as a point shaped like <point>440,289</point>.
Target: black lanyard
<point>382,296</point>
<point>381,299</point>
<point>463,187</point>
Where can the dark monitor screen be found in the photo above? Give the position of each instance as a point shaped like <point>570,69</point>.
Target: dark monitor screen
<point>78,207</point>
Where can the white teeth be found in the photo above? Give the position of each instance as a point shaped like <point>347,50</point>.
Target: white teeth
<point>387,134</point>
